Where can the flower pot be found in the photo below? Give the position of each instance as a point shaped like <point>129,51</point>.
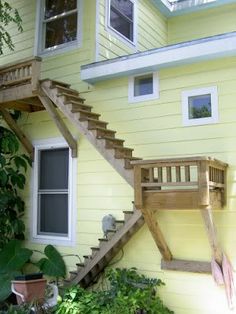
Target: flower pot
<point>29,290</point>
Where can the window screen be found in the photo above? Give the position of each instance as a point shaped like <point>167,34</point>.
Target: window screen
<point>199,106</point>
<point>53,191</point>
<point>122,17</point>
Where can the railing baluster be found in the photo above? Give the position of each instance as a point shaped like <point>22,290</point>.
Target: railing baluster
<point>151,175</point>
<point>178,174</point>
<point>160,175</point>
<point>168,174</point>
<point>187,173</point>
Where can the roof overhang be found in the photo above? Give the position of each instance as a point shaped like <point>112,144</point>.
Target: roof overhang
<point>173,8</point>
<point>170,56</point>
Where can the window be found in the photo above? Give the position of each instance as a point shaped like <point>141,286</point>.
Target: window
<point>59,25</point>
<point>121,18</point>
<point>143,87</point>
<point>200,106</point>
<point>53,192</point>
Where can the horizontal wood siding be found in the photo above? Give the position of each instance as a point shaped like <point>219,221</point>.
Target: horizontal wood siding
<point>151,32</point>
<point>202,24</point>
<point>154,129</point>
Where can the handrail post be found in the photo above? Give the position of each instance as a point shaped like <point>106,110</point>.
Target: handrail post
<point>203,183</point>
<point>36,67</point>
<point>138,193</point>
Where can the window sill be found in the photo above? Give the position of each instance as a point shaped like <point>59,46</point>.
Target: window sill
<point>53,241</point>
<point>56,50</point>
<point>122,38</point>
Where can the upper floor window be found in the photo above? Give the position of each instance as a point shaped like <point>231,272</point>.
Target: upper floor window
<point>200,106</point>
<point>59,24</point>
<point>121,18</point>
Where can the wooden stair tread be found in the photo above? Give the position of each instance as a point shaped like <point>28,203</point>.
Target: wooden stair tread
<point>55,82</point>
<point>71,96</point>
<point>122,148</point>
<point>66,89</point>
<point>85,112</point>
<point>73,102</point>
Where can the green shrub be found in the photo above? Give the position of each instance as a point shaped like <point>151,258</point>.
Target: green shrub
<point>129,293</point>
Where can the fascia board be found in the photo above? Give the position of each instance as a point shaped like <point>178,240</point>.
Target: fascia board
<point>153,60</point>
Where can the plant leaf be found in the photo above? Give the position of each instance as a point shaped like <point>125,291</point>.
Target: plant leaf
<point>54,265</point>
<point>13,257</point>
<point>5,284</point>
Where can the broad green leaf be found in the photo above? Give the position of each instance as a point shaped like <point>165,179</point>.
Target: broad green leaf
<point>54,265</point>
<point>13,257</point>
<point>5,284</point>
<point>20,162</point>
<point>3,178</point>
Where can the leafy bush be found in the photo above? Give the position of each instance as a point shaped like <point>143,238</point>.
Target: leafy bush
<point>129,293</point>
<point>12,179</point>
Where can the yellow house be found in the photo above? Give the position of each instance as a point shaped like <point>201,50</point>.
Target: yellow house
<point>162,73</point>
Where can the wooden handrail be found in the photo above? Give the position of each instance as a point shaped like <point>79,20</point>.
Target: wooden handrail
<point>201,174</point>
<point>26,71</point>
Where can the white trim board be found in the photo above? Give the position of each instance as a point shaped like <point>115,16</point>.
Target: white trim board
<point>152,60</point>
<point>187,6</point>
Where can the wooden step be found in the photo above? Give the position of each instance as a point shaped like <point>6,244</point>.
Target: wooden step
<point>95,249</point>
<point>55,82</point>
<point>110,233</point>
<point>110,142</point>
<point>84,114</point>
<point>94,123</point>
<point>80,265</point>
<point>69,98</point>
<point>67,90</point>
<point>128,214</point>
<point>78,105</point>
<point>122,152</point>
<point>98,132</point>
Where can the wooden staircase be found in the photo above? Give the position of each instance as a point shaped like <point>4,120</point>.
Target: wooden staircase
<point>120,157</point>
<point>89,124</point>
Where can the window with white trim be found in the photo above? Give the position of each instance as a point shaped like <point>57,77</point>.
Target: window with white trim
<point>121,18</point>
<point>59,24</point>
<point>53,197</point>
<point>200,106</point>
<point>143,87</point>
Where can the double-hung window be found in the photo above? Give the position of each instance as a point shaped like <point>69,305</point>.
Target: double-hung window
<point>53,193</point>
<point>121,18</point>
<point>59,24</point>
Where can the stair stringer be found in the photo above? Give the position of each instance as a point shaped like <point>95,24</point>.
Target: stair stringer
<point>108,154</point>
<point>107,251</point>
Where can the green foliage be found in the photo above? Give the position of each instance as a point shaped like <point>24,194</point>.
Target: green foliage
<point>8,15</point>
<point>12,179</point>
<point>53,265</point>
<point>202,112</point>
<point>129,293</point>
<point>13,258</point>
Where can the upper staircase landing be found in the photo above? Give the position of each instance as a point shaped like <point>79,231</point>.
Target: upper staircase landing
<point>19,84</point>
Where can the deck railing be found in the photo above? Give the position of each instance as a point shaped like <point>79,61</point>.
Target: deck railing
<point>191,178</point>
<point>24,72</point>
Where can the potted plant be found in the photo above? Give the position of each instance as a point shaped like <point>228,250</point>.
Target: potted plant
<point>12,260</point>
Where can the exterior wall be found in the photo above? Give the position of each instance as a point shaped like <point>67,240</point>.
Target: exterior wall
<point>151,32</point>
<point>154,129</point>
<point>202,24</point>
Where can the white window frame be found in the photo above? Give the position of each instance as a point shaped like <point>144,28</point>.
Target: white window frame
<point>117,34</point>
<point>40,37</point>
<point>198,92</point>
<point>52,239</point>
<point>154,95</point>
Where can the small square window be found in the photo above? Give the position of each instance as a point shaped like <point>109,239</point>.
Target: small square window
<point>200,106</point>
<point>143,87</point>
<point>121,18</point>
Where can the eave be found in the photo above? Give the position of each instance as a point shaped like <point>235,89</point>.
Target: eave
<point>187,6</point>
<point>209,48</point>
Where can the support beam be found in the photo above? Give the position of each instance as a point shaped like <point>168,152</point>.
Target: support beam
<point>59,122</point>
<point>15,128</point>
<point>187,266</point>
<point>212,234</point>
<point>157,235</point>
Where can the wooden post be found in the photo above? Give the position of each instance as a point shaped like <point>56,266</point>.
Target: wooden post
<point>21,136</point>
<point>36,66</point>
<point>156,232</point>
<point>138,193</point>
<point>203,183</point>
<point>59,122</point>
